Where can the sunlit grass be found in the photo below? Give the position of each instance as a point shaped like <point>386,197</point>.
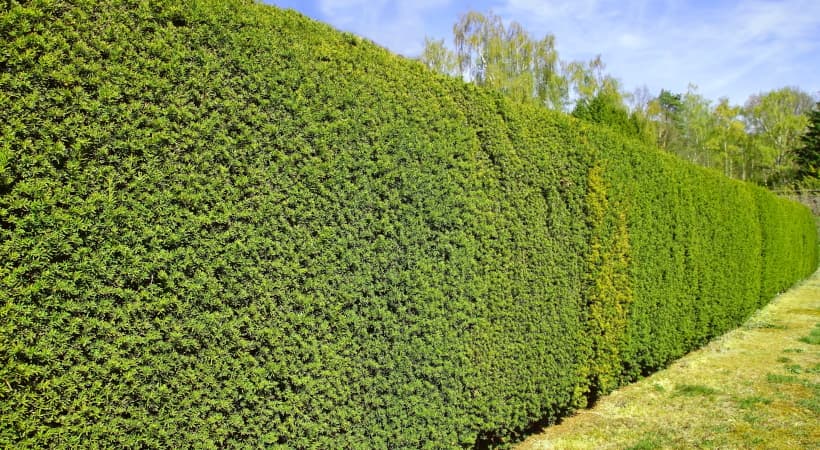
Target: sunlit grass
<point>756,387</point>
<point>813,337</point>
<point>753,401</point>
<point>695,389</point>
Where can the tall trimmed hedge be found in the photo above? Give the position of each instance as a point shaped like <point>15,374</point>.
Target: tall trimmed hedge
<point>225,225</point>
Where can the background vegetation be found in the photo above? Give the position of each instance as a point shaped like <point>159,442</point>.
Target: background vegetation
<point>759,141</point>
<point>225,225</point>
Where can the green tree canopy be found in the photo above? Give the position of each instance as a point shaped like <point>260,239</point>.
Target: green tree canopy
<point>775,121</point>
<point>728,141</point>
<point>438,57</point>
<point>665,111</point>
<point>607,107</point>
<point>507,58</point>
<point>807,155</point>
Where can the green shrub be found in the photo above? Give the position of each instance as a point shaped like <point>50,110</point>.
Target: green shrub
<point>789,243</point>
<point>225,225</point>
<point>695,244</point>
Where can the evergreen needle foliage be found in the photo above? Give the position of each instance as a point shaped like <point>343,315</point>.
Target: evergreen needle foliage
<point>225,225</point>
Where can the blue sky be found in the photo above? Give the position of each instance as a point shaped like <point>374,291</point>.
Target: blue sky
<point>726,48</point>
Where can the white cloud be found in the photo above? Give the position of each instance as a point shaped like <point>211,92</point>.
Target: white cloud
<point>631,40</point>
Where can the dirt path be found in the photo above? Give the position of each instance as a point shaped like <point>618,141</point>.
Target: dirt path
<point>757,387</point>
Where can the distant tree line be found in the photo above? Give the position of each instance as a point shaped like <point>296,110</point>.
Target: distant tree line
<point>771,140</point>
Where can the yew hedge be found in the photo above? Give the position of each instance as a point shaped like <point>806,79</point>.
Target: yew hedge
<point>226,225</point>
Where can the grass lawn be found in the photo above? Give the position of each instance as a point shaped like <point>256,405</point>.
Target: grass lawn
<point>757,387</point>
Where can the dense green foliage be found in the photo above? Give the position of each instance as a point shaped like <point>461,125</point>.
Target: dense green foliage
<point>788,238</point>
<point>225,225</point>
<point>807,154</point>
<point>607,108</point>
